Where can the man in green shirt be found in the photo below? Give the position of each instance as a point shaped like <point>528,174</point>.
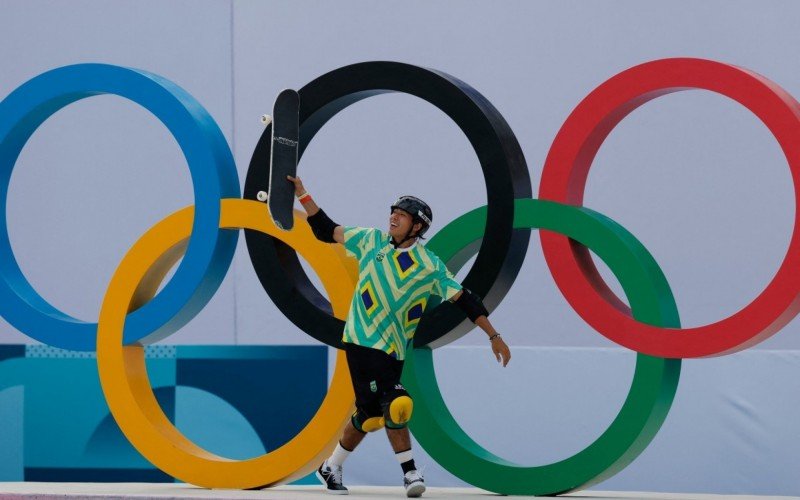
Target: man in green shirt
<point>396,277</point>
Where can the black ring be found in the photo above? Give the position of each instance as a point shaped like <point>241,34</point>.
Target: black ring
<point>501,251</point>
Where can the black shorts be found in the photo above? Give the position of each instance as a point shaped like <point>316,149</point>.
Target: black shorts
<point>374,373</point>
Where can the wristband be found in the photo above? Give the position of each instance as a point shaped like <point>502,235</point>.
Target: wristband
<point>298,196</point>
<point>492,337</point>
<point>304,198</point>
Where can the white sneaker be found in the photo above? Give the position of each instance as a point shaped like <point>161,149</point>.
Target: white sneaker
<point>414,483</point>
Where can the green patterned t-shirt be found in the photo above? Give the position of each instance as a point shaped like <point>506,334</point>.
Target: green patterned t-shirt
<point>392,291</point>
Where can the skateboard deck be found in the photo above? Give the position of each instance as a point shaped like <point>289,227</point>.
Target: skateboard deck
<point>283,157</point>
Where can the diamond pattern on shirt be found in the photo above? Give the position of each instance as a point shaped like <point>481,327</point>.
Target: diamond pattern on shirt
<point>393,290</point>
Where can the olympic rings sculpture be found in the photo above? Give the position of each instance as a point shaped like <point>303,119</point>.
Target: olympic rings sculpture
<point>133,315</point>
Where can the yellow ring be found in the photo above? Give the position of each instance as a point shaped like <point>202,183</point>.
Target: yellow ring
<point>127,389</point>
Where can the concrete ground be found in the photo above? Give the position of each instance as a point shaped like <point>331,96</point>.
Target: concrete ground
<point>165,491</point>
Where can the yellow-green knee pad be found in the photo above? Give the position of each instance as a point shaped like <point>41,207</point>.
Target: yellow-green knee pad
<point>400,410</point>
<point>373,424</point>
<point>364,423</point>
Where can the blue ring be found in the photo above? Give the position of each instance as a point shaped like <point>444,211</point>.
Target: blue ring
<point>214,176</point>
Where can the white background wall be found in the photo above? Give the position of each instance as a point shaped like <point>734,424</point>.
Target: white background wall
<point>694,176</point>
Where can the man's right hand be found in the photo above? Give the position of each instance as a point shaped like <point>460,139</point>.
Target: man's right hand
<point>298,185</point>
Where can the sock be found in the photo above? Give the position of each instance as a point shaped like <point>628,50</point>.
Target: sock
<point>406,460</point>
<point>339,455</point>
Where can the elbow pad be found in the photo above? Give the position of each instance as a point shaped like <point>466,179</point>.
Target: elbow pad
<point>322,226</point>
<point>471,304</point>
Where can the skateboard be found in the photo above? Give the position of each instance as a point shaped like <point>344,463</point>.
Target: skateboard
<point>283,157</point>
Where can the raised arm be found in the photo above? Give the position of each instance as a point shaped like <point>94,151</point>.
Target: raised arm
<point>324,228</point>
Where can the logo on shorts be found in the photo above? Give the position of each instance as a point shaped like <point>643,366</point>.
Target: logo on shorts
<point>400,387</point>
<point>380,256</point>
<point>373,386</point>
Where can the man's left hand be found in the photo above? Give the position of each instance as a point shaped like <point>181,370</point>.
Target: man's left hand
<point>501,350</point>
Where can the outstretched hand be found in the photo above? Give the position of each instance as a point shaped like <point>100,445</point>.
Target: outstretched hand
<point>501,350</point>
<point>298,185</point>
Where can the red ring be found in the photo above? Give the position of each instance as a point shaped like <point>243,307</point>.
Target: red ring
<point>564,180</point>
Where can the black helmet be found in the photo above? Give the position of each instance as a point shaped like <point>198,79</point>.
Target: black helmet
<point>419,210</point>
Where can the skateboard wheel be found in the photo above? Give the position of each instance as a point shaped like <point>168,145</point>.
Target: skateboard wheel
<point>261,196</point>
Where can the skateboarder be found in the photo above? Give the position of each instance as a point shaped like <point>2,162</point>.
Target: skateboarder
<point>396,277</point>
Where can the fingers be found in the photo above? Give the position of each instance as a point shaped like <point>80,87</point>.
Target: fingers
<point>298,184</point>
<point>502,353</point>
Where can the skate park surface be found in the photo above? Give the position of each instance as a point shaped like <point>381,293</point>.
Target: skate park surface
<point>48,491</point>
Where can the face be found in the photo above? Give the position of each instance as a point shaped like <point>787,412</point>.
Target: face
<point>399,223</point>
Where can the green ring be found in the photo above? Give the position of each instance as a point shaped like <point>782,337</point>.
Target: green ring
<point>654,382</point>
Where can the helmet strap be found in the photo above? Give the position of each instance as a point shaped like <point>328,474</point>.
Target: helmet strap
<point>408,236</point>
